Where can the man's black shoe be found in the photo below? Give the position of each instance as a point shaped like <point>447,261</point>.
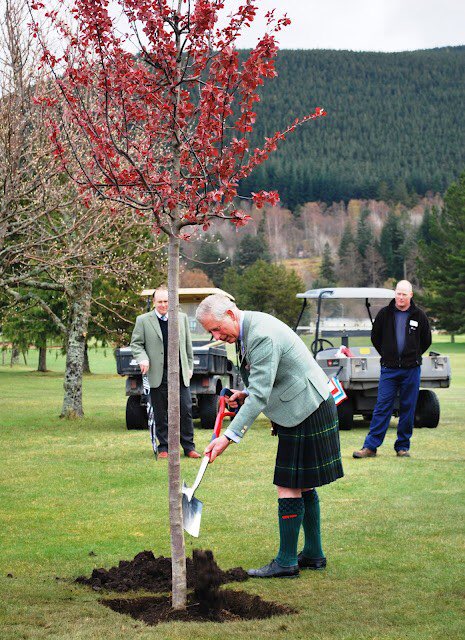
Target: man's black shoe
<point>311,563</point>
<point>274,570</point>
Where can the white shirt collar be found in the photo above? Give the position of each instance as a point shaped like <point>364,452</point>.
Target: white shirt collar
<point>241,325</point>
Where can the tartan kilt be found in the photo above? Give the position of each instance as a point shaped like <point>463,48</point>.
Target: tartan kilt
<point>309,454</point>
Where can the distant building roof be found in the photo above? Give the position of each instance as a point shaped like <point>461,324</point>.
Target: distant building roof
<point>192,294</point>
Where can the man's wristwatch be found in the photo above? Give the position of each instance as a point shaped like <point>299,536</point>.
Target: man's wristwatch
<point>228,438</point>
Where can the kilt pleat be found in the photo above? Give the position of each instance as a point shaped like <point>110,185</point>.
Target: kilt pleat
<point>309,454</point>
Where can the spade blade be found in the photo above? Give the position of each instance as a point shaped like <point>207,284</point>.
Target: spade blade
<point>191,515</point>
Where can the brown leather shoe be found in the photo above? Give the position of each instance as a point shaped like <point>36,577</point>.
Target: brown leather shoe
<point>192,454</point>
<point>403,453</point>
<point>163,454</point>
<point>364,453</point>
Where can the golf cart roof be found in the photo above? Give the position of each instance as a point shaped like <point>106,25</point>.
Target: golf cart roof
<point>337,293</point>
<point>193,294</point>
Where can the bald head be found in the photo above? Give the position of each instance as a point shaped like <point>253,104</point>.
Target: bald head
<point>403,295</point>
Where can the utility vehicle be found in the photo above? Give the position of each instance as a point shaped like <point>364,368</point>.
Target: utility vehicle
<point>213,370</point>
<point>346,314</point>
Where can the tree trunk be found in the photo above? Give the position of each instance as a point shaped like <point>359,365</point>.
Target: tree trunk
<point>14,355</point>
<point>42,366</point>
<point>452,337</point>
<point>178,553</point>
<point>80,299</point>
<point>86,359</point>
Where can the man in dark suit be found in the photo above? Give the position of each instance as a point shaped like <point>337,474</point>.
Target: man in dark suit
<point>149,344</point>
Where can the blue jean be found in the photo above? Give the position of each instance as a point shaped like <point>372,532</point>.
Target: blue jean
<point>406,382</point>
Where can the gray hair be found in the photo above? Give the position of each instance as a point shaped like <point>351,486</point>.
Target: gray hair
<point>215,305</point>
<point>161,287</point>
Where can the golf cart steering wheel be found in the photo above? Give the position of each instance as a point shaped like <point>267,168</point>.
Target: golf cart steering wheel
<point>320,344</point>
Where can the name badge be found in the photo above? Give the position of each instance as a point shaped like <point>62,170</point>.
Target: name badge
<point>413,323</point>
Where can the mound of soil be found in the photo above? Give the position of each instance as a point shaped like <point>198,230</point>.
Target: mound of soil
<point>147,572</point>
<point>206,603</point>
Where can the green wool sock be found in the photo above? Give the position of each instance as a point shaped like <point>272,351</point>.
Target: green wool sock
<point>311,525</point>
<point>290,513</point>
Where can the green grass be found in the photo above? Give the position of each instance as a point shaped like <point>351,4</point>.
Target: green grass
<point>393,529</point>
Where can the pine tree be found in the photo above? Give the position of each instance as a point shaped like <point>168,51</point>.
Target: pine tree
<point>327,274</point>
<point>251,248</point>
<point>364,236</point>
<point>349,259</point>
<point>266,287</point>
<point>211,260</point>
<point>391,243</point>
<point>442,262</point>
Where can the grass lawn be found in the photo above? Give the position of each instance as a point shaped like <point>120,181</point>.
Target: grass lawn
<point>393,528</point>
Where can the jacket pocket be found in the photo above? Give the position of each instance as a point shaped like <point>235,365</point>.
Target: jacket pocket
<point>291,392</point>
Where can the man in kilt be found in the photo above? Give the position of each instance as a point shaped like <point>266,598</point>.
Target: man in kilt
<point>285,383</point>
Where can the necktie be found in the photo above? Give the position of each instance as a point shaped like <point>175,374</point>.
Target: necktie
<point>241,352</point>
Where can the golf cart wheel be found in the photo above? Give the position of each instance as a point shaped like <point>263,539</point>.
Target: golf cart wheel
<point>427,410</point>
<point>136,415</point>
<point>345,414</point>
<point>208,410</point>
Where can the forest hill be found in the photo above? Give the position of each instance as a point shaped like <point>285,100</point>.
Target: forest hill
<point>361,243</point>
<point>395,125</point>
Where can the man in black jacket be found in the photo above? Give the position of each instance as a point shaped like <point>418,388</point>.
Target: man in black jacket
<point>401,334</point>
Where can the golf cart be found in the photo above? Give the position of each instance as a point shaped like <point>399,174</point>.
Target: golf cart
<point>347,314</point>
<point>212,368</point>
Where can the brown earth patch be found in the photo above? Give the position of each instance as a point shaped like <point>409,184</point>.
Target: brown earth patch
<point>206,603</point>
<point>235,605</point>
<point>147,572</point>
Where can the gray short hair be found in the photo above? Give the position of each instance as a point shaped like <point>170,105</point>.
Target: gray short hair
<point>215,305</point>
<point>161,287</point>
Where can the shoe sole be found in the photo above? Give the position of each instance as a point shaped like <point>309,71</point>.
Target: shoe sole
<point>296,575</point>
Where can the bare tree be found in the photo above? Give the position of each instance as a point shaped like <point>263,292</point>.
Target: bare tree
<point>50,239</point>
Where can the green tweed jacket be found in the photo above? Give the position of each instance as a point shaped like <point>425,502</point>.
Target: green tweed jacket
<point>282,378</point>
<point>147,344</point>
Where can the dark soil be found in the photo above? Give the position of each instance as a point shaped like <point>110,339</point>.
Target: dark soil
<point>206,603</point>
<point>154,574</point>
<point>236,605</point>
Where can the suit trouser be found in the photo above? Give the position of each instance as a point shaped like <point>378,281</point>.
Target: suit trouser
<point>405,382</point>
<point>159,397</point>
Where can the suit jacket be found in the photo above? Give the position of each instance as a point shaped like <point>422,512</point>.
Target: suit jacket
<point>147,344</point>
<point>282,378</point>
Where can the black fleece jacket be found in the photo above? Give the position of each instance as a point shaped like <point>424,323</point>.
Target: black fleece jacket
<point>417,337</point>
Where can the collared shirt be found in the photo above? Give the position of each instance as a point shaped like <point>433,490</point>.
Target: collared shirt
<point>162,317</point>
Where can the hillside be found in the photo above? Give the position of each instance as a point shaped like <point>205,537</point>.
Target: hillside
<point>395,124</point>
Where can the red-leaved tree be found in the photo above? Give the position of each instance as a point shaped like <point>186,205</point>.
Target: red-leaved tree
<point>165,105</point>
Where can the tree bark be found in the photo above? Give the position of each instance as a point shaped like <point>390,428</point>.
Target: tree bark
<point>80,300</point>
<point>86,359</point>
<point>42,366</point>
<point>14,355</point>
<point>178,553</point>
